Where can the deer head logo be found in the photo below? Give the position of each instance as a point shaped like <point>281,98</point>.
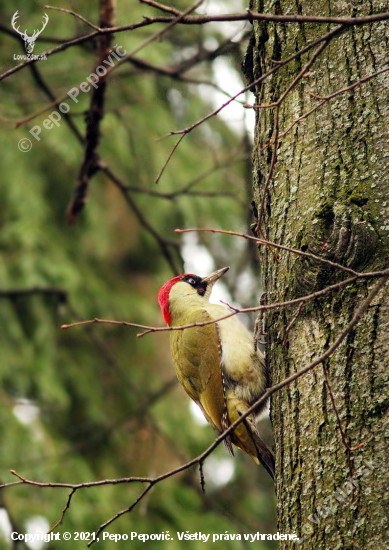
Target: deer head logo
<point>29,40</point>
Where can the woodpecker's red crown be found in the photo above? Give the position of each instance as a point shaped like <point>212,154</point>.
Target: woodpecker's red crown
<point>164,291</point>
<point>199,284</point>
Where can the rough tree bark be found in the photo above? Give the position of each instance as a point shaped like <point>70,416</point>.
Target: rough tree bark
<point>329,195</point>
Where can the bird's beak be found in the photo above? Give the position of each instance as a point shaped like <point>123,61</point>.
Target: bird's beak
<point>213,277</point>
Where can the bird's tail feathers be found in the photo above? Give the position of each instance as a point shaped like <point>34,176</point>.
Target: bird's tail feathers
<point>246,437</point>
<point>228,445</point>
<point>263,455</point>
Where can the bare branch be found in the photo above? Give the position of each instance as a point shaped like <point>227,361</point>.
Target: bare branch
<point>352,87</point>
<point>122,512</point>
<point>292,322</point>
<point>66,508</point>
<point>90,162</point>
<point>275,245</point>
<point>54,103</point>
<point>168,158</point>
<point>146,328</point>
<point>351,449</point>
<point>202,479</point>
<point>95,115</point>
<point>175,73</point>
<point>162,7</point>
<point>77,15</point>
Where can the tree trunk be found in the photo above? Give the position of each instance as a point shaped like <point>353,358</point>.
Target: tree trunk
<point>328,195</point>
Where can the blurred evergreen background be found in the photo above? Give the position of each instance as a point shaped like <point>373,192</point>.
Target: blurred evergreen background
<point>96,402</point>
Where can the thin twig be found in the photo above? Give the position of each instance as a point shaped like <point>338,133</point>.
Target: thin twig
<point>77,15</point>
<point>202,479</point>
<point>168,158</point>
<point>162,7</point>
<point>174,73</point>
<point>352,87</point>
<point>122,512</point>
<point>258,325</point>
<point>66,508</point>
<point>54,103</point>
<point>292,322</point>
<point>275,245</point>
<point>342,432</point>
<point>345,21</point>
<point>349,449</point>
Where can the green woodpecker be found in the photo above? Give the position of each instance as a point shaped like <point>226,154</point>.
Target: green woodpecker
<point>216,363</point>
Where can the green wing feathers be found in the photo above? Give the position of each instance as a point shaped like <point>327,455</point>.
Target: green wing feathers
<point>195,353</point>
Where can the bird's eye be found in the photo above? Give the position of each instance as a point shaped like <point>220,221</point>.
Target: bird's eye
<point>191,281</point>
